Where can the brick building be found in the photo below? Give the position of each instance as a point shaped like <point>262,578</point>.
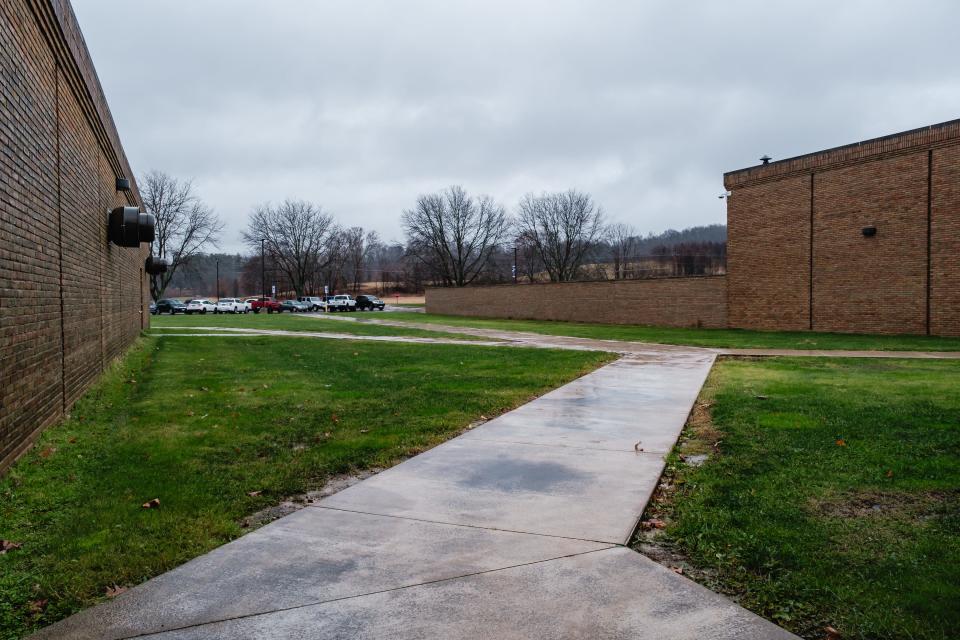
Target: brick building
<point>860,238</point>
<point>70,301</point>
<point>863,238</point>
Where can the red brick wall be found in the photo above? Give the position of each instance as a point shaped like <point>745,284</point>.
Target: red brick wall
<point>878,284</point>
<point>859,284</point>
<point>945,242</point>
<point>672,302</point>
<point>60,323</point>
<point>768,255</point>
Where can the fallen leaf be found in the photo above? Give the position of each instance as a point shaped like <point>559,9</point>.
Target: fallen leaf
<point>334,418</point>
<point>114,591</point>
<point>266,386</point>
<point>841,442</point>
<point>37,606</point>
<point>677,570</point>
<point>254,494</point>
<point>364,430</point>
<point>9,545</point>
<point>46,453</point>
<point>761,397</point>
<point>637,447</point>
<point>832,634</point>
<point>72,440</point>
<point>890,473</point>
<point>653,523</point>
<point>152,504</point>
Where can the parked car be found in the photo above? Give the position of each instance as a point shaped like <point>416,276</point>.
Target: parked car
<point>293,306</point>
<point>169,305</point>
<point>302,306</point>
<point>265,304</point>
<point>316,303</point>
<point>342,302</point>
<point>370,302</point>
<point>230,305</point>
<point>153,308</point>
<point>200,305</point>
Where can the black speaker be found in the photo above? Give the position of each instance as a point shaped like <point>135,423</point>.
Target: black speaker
<point>128,227</point>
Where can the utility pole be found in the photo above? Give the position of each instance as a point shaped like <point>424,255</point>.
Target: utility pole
<point>514,264</point>
<point>218,281</point>
<point>263,272</point>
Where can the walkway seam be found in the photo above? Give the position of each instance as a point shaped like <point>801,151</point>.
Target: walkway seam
<point>370,593</point>
<point>317,505</point>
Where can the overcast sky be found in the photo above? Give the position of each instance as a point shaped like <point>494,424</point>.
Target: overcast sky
<point>360,106</point>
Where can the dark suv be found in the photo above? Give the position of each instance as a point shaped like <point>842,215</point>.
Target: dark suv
<point>168,305</point>
<point>369,302</point>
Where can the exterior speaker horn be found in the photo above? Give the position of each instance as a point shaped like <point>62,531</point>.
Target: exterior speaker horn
<point>128,227</point>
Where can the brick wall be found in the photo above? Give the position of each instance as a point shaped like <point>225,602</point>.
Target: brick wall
<point>672,302</point>
<point>69,301</point>
<point>797,256</point>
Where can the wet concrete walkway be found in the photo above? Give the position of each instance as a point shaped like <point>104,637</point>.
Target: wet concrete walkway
<point>515,529</point>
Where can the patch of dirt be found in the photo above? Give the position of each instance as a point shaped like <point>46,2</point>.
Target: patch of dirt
<point>295,503</point>
<point>866,504</point>
<point>700,436</point>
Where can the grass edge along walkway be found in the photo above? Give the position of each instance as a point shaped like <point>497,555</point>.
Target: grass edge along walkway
<point>830,497</point>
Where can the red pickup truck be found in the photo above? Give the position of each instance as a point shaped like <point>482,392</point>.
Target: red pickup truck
<point>258,304</point>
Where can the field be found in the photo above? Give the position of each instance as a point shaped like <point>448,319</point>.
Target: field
<point>730,338</point>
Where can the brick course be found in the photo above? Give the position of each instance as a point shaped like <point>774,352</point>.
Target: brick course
<point>671,302</point>
<point>60,320</point>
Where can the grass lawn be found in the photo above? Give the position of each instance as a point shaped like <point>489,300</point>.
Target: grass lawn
<point>731,338</point>
<point>291,322</point>
<point>834,497</point>
<point>201,422</point>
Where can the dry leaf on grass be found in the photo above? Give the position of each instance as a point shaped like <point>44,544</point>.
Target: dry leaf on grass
<point>841,442</point>
<point>37,606</point>
<point>152,504</point>
<point>653,523</point>
<point>832,634</point>
<point>254,494</point>
<point>114,591</point>
<point>9,545</point>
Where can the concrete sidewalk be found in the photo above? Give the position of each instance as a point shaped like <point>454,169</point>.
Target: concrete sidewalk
<point>513,530</point>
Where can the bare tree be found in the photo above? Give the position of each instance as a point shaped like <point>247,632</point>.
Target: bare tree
<point>454,234</point>
<point>297,236</point>
<point>360,246</point>
<point>622,239</point>
<point>561,227</point>
<point>185,224</point>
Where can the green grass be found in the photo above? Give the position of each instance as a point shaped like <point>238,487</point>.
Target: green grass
<point>291,322</point>
<point>200,422</point>
<point>834,500</point>
<point>730,338</point>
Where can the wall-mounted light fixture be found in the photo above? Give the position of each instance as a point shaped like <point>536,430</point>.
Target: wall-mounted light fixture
<point>869,232</point>
<point>123,184</point>
<point>156,265</point>
<point>128,227</point>
<point>765,159</point>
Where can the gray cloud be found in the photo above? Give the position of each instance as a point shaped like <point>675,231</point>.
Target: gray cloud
<point>362,105</point>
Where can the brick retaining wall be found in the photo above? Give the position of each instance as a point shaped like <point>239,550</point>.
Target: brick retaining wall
<point>671,302</point>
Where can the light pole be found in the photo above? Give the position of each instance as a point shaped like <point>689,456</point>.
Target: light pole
<point>218,280</point>
<point>514,264</point>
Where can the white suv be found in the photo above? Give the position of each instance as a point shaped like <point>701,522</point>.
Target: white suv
<point>316,303</point>
<point>230,305</point>
<point>200,305</point>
